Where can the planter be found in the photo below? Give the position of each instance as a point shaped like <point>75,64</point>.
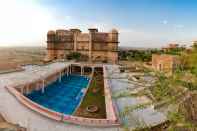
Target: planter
<point>92,109</point>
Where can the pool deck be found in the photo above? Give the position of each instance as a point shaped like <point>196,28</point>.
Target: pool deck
<point>15,112</point>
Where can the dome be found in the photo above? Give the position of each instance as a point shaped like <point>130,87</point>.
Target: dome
<point>51,32</point>
<point>114,31</point>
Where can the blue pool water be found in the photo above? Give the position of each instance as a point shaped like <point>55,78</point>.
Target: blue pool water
<point>62,96</point>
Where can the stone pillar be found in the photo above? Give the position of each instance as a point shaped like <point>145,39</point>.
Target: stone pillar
<point>43,86</point>
<point>76,32</point>
<point>60,77</point>
<point>27,89</point>
<point>90,48</point>
<point>81,70</point>
<point>67,71</point>
<point>92,71</point>
<point>75,41</point>
<point>91,37</point>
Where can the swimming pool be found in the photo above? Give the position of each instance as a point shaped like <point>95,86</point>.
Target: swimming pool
<point>62,96</point>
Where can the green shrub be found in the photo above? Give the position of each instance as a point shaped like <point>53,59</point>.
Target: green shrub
<point>77,56</point>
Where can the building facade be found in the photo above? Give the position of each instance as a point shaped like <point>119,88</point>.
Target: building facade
<point>170,47</point>
<point>165,63</point>
<point>97,46</point>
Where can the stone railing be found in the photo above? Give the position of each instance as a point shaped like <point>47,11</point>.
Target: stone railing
<point>90,121</point>
<point>111,108</point>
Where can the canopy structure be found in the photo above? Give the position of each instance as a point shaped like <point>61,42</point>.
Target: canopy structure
<point>31,74</point>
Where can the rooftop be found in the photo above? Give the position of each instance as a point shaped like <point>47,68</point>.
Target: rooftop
<point>34,121</point>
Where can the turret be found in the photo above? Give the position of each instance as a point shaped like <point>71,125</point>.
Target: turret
<point>61,35</point>
<point>92,32</point>
<point>75,34</point>
<point>75,30</point>
<point>51,36</point>
<point>114,35</point>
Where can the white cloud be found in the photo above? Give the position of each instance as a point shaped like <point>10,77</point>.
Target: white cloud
<point>165,22</point>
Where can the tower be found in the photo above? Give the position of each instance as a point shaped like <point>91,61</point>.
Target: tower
<point>92,32</point>
<point>113,46</point>
<point>50,45</point>
<point>75,32</point>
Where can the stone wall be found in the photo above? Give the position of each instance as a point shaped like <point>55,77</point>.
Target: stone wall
<point>165,63</point>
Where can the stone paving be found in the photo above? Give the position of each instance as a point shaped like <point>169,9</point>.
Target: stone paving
<point>147,116</point>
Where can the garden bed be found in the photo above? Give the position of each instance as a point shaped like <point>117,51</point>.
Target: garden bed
<point>94,98</point>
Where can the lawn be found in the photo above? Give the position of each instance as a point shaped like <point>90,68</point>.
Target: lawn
<point>95,96</point>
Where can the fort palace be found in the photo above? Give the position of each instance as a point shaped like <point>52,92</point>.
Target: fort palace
<point>96,46</point>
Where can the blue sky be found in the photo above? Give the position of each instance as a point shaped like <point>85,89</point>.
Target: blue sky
<point>141,23</point>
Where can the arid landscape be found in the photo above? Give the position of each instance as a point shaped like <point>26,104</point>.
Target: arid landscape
<point>12,57</point>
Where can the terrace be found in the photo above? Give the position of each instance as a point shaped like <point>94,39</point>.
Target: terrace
<point>38,77</point>
<point>135,108</point>
<point>105,91</point>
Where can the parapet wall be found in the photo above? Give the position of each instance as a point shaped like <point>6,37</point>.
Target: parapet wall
<point>110,110</point>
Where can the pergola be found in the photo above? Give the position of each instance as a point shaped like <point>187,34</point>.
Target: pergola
<point>37,75</point>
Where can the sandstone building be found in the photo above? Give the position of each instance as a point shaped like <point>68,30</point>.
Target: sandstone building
<point>165,63</point>
<point>171,47</point>
<point>97,46</point>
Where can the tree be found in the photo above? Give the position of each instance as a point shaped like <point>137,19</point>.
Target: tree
<point>77,56</point>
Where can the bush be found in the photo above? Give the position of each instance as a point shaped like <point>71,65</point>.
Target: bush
<point>77,56</point>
